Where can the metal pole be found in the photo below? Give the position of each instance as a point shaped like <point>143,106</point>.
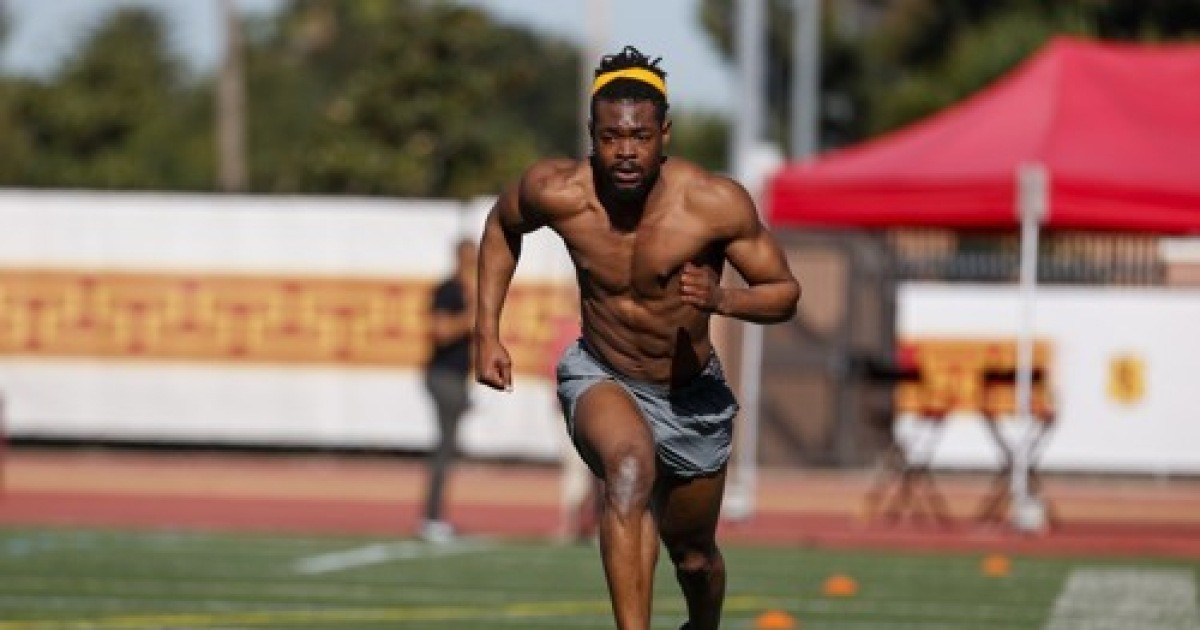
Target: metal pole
<point>231,105</point>
<point>747,133</point>
<point>1033,203</point>
<point>806,78</point>
<point>595,43</point>
<point>751,73</point>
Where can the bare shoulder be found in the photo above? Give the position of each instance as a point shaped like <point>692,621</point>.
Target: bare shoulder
<point>719,200</point>
<point>555,186</point>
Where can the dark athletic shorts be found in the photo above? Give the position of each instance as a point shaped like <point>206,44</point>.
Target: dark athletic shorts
<point>692,424</point>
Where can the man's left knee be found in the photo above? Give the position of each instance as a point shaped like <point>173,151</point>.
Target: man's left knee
<point>695,559</point>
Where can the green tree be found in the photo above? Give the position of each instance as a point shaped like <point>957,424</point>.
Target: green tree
<point>13,143</point>
<point>115,116</point>
<point>1142,19</point>
<point>378,97</point>
<point>701,137</point>
<point>405,98</point>
<point>414,98</point>
<point>978,54</point>
<point>841,93</point>
<point>932,53</point>
<point>927,54</point>
<point>16,143</point>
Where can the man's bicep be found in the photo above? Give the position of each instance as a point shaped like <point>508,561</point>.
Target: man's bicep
<point>757,256</point>
<point>751,249</point>
<point>516,213</point>
<point>506,212</point>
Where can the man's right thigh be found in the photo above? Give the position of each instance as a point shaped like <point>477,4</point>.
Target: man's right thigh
<point>611,432</point>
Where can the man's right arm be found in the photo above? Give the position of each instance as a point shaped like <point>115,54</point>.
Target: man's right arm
<point>499,250</point>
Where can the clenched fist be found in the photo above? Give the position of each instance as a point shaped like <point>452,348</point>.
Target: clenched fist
<point>493,366</point>
<point>700,287</point>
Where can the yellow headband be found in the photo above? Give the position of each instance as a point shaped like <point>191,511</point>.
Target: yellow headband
<point>637,74</point>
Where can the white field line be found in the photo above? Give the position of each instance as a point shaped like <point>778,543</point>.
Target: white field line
<point>380,553</point>
<point>1124,599</point>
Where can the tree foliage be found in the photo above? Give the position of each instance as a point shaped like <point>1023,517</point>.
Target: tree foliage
<point>117,115</point>
<point>392,97</point>
<point>927,54</point>
<point>701,137</point>
<point>405,98</point>
<point>841,93</point>
<point>426,98</point>
<point>410,98</point>
<point>932,53</point>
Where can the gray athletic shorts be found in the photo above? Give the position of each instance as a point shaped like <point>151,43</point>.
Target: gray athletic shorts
<point>692,425</point>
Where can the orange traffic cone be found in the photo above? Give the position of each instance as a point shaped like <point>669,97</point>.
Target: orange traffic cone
<point>839,585</point>
<point>996,565</point>
<point>775,620</point>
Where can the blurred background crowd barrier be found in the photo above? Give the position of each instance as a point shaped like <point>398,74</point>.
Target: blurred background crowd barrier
<point>279,321</point>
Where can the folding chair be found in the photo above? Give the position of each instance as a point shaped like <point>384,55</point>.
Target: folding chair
<point>904,483</point>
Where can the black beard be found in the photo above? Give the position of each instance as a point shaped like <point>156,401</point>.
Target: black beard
<point>624,196</point>
<point>627,195</point>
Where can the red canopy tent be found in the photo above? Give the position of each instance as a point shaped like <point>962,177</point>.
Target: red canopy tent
<point>1084,135</point>
<point>1117,126</point>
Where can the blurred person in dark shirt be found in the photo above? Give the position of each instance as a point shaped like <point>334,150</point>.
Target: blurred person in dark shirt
<point>452,318</point>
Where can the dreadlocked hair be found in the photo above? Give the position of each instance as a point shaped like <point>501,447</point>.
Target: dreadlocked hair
<point>631,89</point>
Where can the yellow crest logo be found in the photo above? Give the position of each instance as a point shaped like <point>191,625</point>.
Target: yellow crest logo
<point>1126,379</point>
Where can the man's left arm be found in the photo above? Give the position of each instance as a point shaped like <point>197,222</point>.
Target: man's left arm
<point>772,291</point>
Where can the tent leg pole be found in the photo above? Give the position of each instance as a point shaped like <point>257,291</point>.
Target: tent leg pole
<point>1033,202</point>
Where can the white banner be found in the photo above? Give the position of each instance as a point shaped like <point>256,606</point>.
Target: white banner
<point>251,320</point>
<point>1122,362</point>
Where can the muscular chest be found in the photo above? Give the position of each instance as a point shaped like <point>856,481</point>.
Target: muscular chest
<point>642,263</point>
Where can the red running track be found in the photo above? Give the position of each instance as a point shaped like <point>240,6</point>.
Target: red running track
<point>380,496</point>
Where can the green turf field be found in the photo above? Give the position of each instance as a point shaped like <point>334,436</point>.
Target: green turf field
<point>89,579</point>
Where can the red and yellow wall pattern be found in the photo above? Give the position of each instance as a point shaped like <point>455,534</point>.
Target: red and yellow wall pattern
<point>973,375</point>
<point>255,319</point>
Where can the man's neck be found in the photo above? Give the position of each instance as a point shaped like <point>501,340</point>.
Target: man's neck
<point>624,215</point>
<point>624,211</point>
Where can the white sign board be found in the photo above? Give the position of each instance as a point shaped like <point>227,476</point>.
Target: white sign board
<point>1123,369</point>
<point>64,255</point>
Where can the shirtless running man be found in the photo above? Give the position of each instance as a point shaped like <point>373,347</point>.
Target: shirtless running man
<point>644,396</point>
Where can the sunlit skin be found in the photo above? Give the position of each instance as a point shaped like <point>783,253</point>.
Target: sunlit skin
<point>648,238</point>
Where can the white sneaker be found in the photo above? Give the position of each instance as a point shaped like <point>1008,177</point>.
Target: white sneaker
<point>437,532</point>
